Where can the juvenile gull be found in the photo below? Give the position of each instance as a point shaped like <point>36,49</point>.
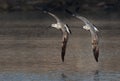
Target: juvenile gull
<point>94,35</point>
<point>93,30</point>
<point>64,28</point>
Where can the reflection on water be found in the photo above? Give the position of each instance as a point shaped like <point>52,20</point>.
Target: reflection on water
<point>81,77</point>
<point>59,76</point>
<point>96,76</point>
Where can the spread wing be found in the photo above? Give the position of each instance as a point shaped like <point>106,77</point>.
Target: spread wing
<point>68,29</point>
<point>58,20</point>
<point>78,17</point>
<point>95,49</point>
<point>83,19</point>
<point>64,44</point>
<point>95,42</point>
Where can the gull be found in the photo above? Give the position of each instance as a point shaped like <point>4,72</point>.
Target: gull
<point>64,28</point>
<point>94,35</point>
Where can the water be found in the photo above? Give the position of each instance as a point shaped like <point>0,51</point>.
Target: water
<point>38,59</point>
<point>32,53</point>
<point>59,76</point>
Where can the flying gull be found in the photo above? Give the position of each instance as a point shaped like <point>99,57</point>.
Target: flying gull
<point>94,35</point>
<point>65,31</point>
<point>93,30</point>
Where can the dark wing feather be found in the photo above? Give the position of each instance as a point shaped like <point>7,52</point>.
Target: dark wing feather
<point>69,28</point>
<point>95,50</point>
<point>64,44</point>
<point>96,53</point>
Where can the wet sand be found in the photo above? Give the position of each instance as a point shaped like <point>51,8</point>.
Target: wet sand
<point>31,52</point>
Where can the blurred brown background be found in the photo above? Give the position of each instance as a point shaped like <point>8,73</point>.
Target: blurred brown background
<point>94,6</point>
<point>27,45</point>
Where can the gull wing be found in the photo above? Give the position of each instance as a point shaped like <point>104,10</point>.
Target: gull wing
<point>58,20</point>
<point>95,48</point>
<point>68,28</point>
<point>64,44</point>
<point>95,41</point>
<point>85,20</point>
<point>66,32</point>
<point>78,17</point>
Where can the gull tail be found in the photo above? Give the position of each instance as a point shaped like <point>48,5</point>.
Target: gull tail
<point>96,53</point>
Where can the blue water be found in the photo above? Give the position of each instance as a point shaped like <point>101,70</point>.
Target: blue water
<point>60,76</point>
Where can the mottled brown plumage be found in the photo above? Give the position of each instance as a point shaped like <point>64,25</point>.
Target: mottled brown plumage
<point>64,44</point>
<point>95,49</point>
<point>93,30</point>
<point>65,31</point>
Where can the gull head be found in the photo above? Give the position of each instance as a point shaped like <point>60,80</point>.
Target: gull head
<point>86,27</point>
<point>55,26</point>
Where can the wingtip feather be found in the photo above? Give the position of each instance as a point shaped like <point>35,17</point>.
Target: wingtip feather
<point>96,54</point>
<point>62,56</point>
<point>63,49</point>
<point>63,59</point>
